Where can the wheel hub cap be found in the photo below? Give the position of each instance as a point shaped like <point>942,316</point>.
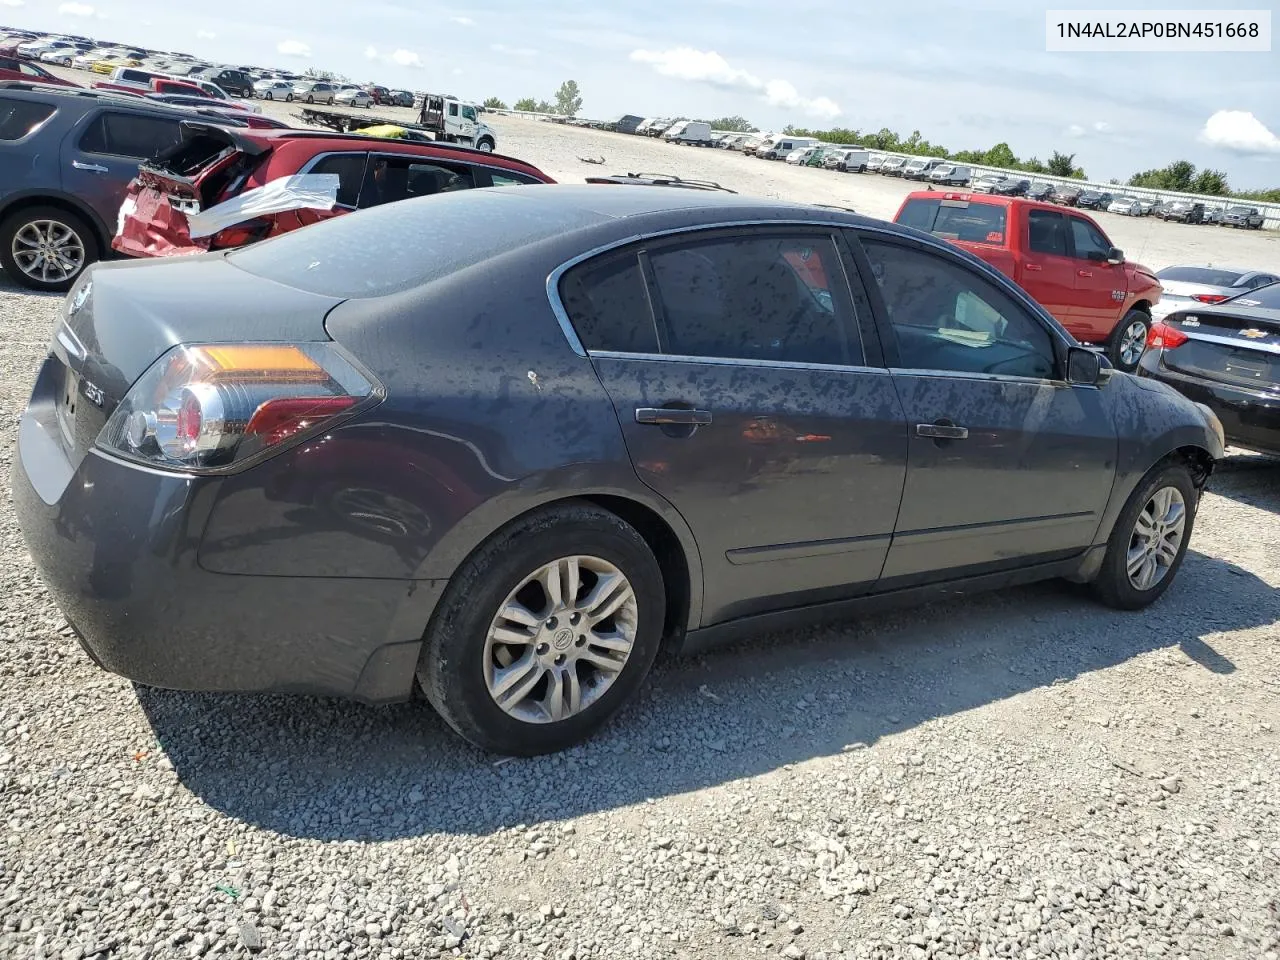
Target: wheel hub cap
<point>1133,342</point>
<point>1157,536</point>
<point>560,640</point>
<point>48,251</point>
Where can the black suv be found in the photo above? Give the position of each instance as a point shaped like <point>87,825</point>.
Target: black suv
<point>66,158</point>
<point>235,82</point>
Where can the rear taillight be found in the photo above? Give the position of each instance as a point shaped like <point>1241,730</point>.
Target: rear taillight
<point>1163,335</point>
<point>212,407</point>
<point>1209,297</point>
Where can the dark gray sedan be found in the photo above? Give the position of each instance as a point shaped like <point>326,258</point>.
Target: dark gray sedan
<point>502,445</point>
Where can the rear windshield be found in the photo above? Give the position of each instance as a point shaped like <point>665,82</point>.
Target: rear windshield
<point>397,246</point>
<point>1268,297</point>
<point>20,117</point>
<point>969,221</point>
<point>1207,275</point>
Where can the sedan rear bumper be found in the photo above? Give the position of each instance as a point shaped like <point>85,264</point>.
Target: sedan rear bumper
<point>1250,418</point>
<point>116,546</point>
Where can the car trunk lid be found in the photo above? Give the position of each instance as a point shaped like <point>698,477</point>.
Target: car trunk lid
<point>210,165</point>
<point>1225,347</point>
<point>119,321</point>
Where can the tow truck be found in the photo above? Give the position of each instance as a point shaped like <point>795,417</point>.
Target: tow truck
<point>440,118</point>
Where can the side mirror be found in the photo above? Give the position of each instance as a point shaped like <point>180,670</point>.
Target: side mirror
<point>1115,256</point>
<point>1084,367</point>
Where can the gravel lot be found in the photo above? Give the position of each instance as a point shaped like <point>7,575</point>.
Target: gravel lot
<point>1020,775</point>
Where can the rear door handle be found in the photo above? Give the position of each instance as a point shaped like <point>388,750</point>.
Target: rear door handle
<point>672,415</point>
<point>1084,273</point>
<point>91,167</point>
<point>942,431</point>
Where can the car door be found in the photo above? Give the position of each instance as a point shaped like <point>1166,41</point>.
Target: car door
<point>1007,463</point>
<point>1100,287</point>
<point>100,156</point>
<point>750,399</point>
<point>1050,269</point>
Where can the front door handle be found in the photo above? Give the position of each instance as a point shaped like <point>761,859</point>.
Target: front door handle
<point>672,416</point>
<point>1084,273</point>
<point>942,430</point>
<point>1032,266</point>
<point>91,167</point>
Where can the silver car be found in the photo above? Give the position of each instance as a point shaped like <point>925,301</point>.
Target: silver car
<point>315,91</point>
<point>354,97</point>
<point>274,89</point>
<point>1188,286</point>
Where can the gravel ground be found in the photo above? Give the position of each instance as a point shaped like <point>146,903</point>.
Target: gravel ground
<point>1023,774</point>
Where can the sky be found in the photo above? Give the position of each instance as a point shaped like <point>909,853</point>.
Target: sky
<point>966,75</point>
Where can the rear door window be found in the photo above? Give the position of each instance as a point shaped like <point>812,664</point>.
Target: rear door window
<point>390,179</point>
<point>130,135</point>
<point>507,178</point>
<point>350,170</point>
<point>956,219</point>
<point>18,118</point>
<point>1048,232</point>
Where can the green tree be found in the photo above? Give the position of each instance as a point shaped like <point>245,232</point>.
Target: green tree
<point>1062,164</point>
<point>493,103</point>
<point>1000,156</point>
<point>527,105</point>
<point>544,107</point>
<point>734,124</point>
<point>569,98</point>
<point>1210,183</point>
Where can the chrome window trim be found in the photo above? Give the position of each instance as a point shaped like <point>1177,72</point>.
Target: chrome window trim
<point>736,362</point>
<point>975,375</point>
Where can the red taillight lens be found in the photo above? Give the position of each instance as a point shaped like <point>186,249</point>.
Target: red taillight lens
<point>1163,335</point>
<point>1209,297</point>
<point>210,407</point>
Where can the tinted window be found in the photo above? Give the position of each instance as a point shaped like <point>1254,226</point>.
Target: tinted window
<point>972,222</point>
<point>401,178</point>
<point>127,135</point>
<point>1089,242</point>
<point>1208,275</point>
<point>609,305</point>
<point>1048,232</point>
<point>350,256</point>
<point>946,317</point>
<point>1268,298</point>
<point>755,298</point>
<point>350,170</point>
<point>20,117</point>
<point>510,179</point>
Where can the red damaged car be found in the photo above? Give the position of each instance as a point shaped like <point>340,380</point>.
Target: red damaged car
<point>225,187</point>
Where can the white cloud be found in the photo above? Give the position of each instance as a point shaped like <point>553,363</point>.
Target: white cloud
<point>1240,131</point>
<point>463,21</point>
<point>1101,126</point>
<point>513,51</point>
<point>1075,130</point>
<point>76,10</point>
<point>707,66</point>
<point>293,48</point>
<point>206,35</point>
<point>11,3</point>
<point>399,58</point>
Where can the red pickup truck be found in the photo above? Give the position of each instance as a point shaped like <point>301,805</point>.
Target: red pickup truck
<point>1060,257</point>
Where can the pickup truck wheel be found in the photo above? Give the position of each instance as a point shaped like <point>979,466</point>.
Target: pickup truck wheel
<point>1129,340</point>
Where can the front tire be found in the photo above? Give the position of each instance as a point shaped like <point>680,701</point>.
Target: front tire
<point>1129,340</point>
<point>1149,539</point>
<point>485,145</point>
<point>545,632</point>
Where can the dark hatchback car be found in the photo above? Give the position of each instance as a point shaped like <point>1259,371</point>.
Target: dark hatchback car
<point>1226,356</point>
<point>549,428</point>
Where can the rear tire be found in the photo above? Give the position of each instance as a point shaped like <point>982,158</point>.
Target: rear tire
<point>1129,340</point>
<point>462,657</point>
<point>76,243</point>
<point>1144,536</point>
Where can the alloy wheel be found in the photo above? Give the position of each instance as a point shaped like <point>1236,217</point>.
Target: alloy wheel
<point>1156,538</point>
<point>48,251</point>
<point>560,639</point>
<point>1133,343</point>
